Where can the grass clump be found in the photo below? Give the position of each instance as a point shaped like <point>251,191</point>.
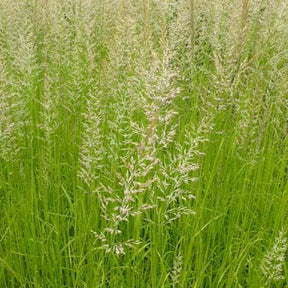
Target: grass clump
<point>143,144</point>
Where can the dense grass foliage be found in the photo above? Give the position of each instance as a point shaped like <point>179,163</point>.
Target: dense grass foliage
<point>143,143</point>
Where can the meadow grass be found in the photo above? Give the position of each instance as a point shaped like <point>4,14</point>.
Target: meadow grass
<point>143,143</point>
